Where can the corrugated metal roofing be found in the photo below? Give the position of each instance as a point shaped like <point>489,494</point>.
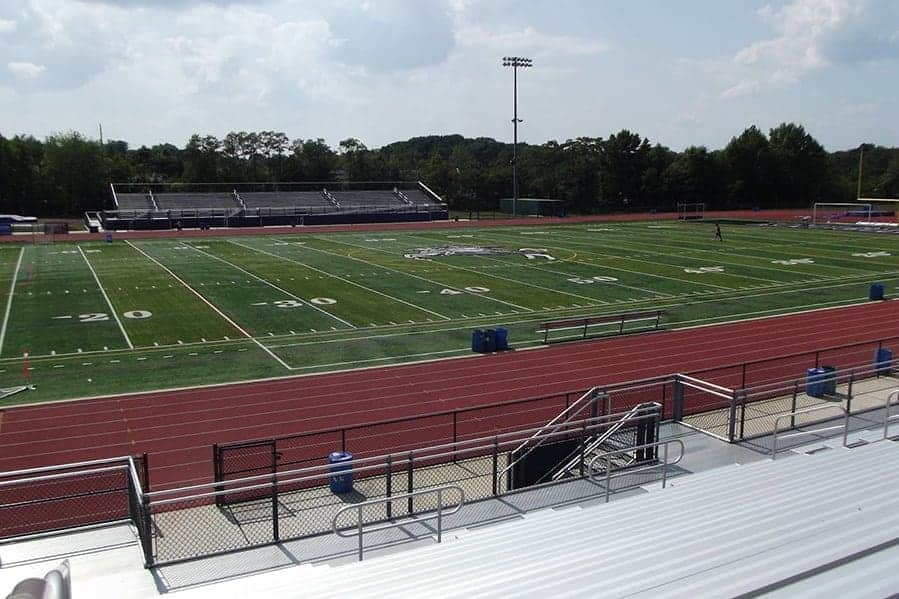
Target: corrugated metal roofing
<point>823,519</point>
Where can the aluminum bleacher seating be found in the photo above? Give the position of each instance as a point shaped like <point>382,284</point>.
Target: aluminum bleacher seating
<point>177,201</point>
<point>134,201</point>
<point>284,199</point>
<point>367,198</point>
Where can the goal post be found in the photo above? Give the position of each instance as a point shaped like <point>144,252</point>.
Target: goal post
<point>840,212</point>
<point>690,210</point>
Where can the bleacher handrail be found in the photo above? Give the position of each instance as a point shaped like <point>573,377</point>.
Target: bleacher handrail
<point>590,397</point>
<point>886,412</point>
<point>793,413</point>
<point>439,513</point>
<point>607,457</point>
<point>606,435</point>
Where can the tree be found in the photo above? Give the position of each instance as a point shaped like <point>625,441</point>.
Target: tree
<point>201,159</point>
<point>802,168</point>
<point>751,169</point>
<point>75,173</point>
<point>622,162</point>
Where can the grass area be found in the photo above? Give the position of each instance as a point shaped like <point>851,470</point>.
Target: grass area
<point>96,318</point>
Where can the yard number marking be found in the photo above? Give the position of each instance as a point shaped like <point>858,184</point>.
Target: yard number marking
<point>793,261</point>
<point>323,301</point>
<point>533,253</point>
<point>704,269</point>
<point>871,254</point>
<point>591,280</point>
<point>468,289</point>
<point>288,304</point>
<point>103,316</point>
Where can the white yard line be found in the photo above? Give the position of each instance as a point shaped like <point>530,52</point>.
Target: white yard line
<point>211,305</point>
<point>407,274</point>
<point>12,289</point>
<point>106,297</point>
<point>273,286</point>
<point>339,278</point>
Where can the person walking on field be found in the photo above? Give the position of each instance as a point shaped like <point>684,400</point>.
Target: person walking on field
<point>718,232</point>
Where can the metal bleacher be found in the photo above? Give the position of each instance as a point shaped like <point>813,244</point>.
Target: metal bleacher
<point>189,201</point>
<point>367,199</point>
<point>135,201</point>
<point>283,199</point>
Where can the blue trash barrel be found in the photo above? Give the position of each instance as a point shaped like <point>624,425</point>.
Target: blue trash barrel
<point>341,472</point>
<point>830,379</point>
<point>502,339</point>
<point>477,341</point>
<point>875,292</point>
<point>814,383</point>
<point>883,360</point>
<point>489,340</point>
<point>109,238</point>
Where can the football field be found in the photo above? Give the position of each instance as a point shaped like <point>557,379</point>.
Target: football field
<point>83,319</point>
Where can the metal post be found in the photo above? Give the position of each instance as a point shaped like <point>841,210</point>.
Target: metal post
<point>861,154</point>
<point>608,476</point>
<point>389,486</point>
<point>664,464</point>
<point>276,532</point>
<point>583,446</point>
<point>793,407</point>
<point>678,409</point>
<point>849,392</point>
<point>146,536</point>
<point>743,384</point>
<point>732,421</point>
<point>359,524</point>
<point>886,415</point>
<point>439,515</point>
<point>495,464</point>
<point>410,485</point>
<point>454,436</point>
<point>846,428</point>
<point>343,439</point>
<point>742,412</point>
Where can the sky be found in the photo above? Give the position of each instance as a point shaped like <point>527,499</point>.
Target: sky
<point>682,73</point>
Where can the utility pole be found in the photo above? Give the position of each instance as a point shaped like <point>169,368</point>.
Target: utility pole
<point>515,62</point>
<point>861,154</point>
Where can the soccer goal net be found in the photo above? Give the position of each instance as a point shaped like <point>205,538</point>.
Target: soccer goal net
<point>690,211</point>
<point>827,212</point>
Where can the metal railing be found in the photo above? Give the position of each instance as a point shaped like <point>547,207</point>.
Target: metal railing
<point>360,529</point>
<point>638,410</point>
<point>590,398</point>
<point>607,458</point>
<point>886,412</point>
<point>792,414</point>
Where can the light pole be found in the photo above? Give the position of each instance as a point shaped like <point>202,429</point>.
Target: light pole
<point>515,62</point>
<point>861,154</point>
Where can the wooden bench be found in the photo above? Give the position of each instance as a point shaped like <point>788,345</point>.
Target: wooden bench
<point>585,323</point>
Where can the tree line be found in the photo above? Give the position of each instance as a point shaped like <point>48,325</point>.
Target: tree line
<point>67,174</point>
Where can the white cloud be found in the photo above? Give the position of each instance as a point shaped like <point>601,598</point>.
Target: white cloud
<point>7,25</point>
<point>25,70</point>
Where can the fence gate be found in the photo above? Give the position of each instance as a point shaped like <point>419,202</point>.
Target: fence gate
<point>240,460</point>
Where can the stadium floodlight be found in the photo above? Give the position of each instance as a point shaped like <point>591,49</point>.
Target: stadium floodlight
<point>516,62</point>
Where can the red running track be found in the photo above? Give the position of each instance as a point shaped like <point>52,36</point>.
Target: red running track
<point>178,428</point>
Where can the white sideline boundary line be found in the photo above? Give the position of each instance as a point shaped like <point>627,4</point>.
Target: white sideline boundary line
<point>106,297</point>
<point>12,289</point>
<point>862,301</point>
<point>292,261</point>
<point>211,305</point>
<point>272,285</point>
<point>715,320</point>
